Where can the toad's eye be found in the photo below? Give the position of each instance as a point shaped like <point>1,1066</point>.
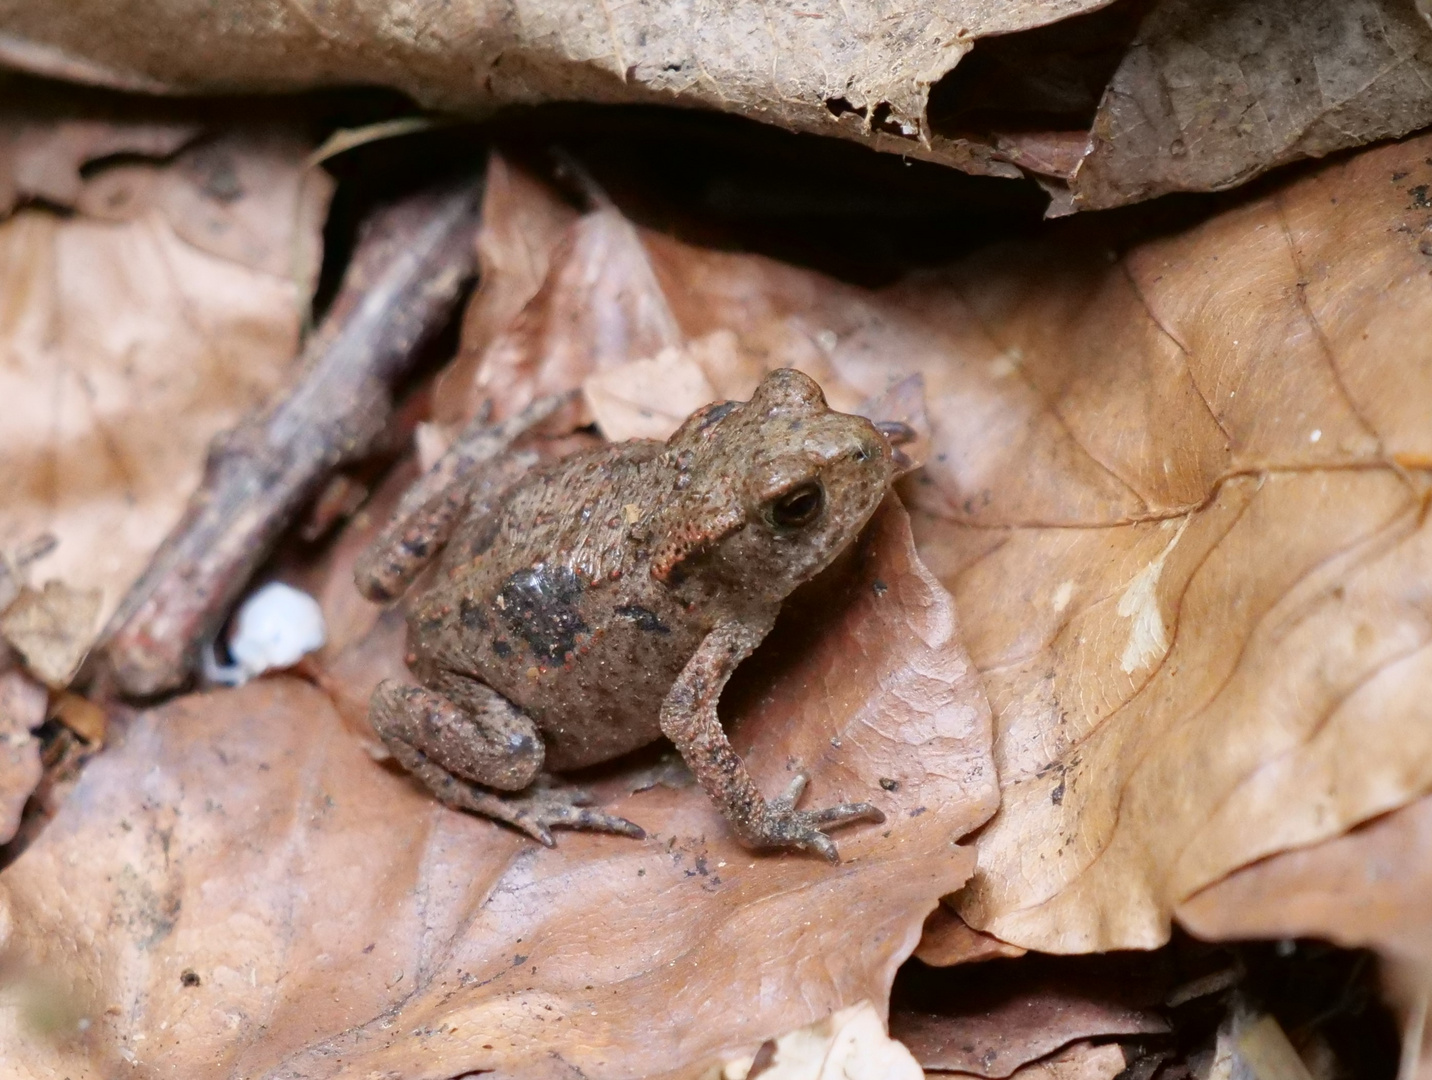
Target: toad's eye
<point>798,507</point>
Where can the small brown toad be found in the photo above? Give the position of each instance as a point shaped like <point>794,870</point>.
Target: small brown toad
<point>601,602</point>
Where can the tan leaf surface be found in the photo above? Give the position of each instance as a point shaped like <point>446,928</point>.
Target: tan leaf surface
<point>22,709</point>
<point>1366,889</point>
<point>847,1045</point>
<point>51,629</point>
<point>325,900</point>
<point>948,940</point>
<point>1184,527</point>
<point>1079,1061</point>
<point>523,225</point>
<point>44,143</point>
<point>127,344</point>
<point>652,328</point>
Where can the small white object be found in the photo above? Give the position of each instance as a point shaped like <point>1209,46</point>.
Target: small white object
<point>275,628</point>
<point>1315,435</point>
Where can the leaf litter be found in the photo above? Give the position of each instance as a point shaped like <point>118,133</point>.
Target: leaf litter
<point>136,330</point>
<point>1104,103</point>
<point>1198,456</point>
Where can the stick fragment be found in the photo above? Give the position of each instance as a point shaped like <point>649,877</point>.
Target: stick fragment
<point>402,285</point>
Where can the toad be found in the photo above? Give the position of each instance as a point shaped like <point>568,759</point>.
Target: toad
<point>591,606</point>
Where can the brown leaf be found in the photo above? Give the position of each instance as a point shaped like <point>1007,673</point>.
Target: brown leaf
<point>855,71</point>
<point>653,328</point>
<point>51,629</point>
<point>1183,522</point>
<point>1078,1061</point>
<point>1203,97</point>
<point>246,837</point>
<point>999,1019</point>
<point>948,940</point>
<point>847,1045</point>
<point>47,139</point>
<point>1366,889</point>
<point>22,709</point>
<point>131,343</point>
<point>523,226</point>
<point>1211,94</point>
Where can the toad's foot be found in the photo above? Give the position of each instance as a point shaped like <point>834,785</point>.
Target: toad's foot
<point>783,825</point>
<point>539,810</point>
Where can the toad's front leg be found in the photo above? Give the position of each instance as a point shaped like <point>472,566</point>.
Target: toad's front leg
<point>689,719</point>
<point>463,738</point>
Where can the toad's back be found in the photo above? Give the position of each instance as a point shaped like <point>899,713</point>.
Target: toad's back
<point>550,601</point>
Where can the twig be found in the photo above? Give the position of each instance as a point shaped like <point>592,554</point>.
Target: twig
<point>405,278</point>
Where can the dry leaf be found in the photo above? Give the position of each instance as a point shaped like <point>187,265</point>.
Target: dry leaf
<point>1183,522</point>
<point>652,328</point>
<point>47,137</point>
<point>51,629</point>
<point>600,305</point>
<point>948,940</point>
<point>22,710</point>
<point>1078,1061</point>
<point>858,71</point>
<point>1204,96</point>
<point>245,838</point>
<point>1210,94</point>
<point>997,1019</point>
<point>130,344</point>
<point>523,226</point>
<point>848,1045</point>
<point>1366,889</point>
<point>82,716</point>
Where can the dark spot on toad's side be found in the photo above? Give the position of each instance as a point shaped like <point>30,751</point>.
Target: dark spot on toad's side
<point>717,412</point>
<point>190,978</point>
<point>1420,199</point>
<point>889,784</point>
<point>483,538</point>
<point>469,611</point>
<point>1057,795</point>
<point>879,588</point>
<point>501,648</point>
<point>417,546</point>
<point>645,618</point>
<point>519,960</point>
<point>540,606</point>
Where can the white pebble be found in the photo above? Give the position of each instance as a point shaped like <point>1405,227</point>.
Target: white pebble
<point>276,626</point>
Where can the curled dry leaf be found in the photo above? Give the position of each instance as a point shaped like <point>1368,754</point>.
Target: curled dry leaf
<point>46,140</point>
<point>948,940</point>
<point>22,709</point>
<point>1208,95</point>
<point>248,867</point>
<point>1104,107</point>
<point>130,343</point>
<point>523,225</point>
<point>855,71</point>
<point>1365,889</point>
<point>653,328</point>
<point>1184,521</point>
<point>997,1019</point>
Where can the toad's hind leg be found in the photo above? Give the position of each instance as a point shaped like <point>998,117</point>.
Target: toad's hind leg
<point>459,751</point>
